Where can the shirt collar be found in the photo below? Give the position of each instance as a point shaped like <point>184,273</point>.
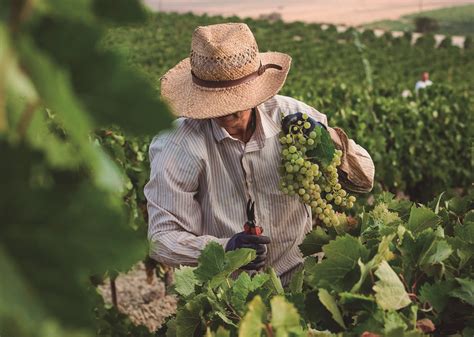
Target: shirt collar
<point>265,127</point>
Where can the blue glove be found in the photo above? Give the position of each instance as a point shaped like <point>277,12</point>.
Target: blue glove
<point>257,242</point>
<point>298,116</point>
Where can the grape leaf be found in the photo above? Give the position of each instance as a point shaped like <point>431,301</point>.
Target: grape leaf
<point>466,291</point>
<point>356,302</point>
<point>383,253</point>
<point>324,151</point>
<point>437,252</point>
<point>221,332</point>
<point>330,303</point>
<point>215,264</point>
<point>185,280</point>
<point>252,323</point>
<point>390,293</point>
<point>437,294</point>
<point>243,286</point>
<point>211,261</point>
<point>338,269</point>
<point>233,261</point>
<point>189,317</point>
<point>314,241</point>
<point>422,218</point>
<point>240,291</point>
<point>285,317</point>
<point>296,282</point>
<point>274,282</point>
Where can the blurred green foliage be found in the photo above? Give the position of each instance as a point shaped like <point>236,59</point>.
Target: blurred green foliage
<point>63,218</point>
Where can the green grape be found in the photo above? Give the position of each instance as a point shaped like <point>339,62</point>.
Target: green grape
<point>305,116</point>
<point>303,175</point>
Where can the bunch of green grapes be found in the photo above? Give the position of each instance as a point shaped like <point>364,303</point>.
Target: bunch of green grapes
<point>302,175</point>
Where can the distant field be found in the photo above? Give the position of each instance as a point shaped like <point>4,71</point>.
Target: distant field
<point>452,21</point>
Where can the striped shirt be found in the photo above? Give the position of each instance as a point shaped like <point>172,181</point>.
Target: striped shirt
<point>201,179</point>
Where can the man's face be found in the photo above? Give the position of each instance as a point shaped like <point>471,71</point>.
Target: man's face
<point>425,76</point>
<point>233,122</point>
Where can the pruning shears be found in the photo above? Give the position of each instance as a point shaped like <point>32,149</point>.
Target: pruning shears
<point>250,227</point>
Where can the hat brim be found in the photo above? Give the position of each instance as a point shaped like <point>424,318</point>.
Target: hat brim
<point>188,99</point>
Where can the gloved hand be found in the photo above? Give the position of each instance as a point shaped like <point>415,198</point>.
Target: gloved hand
<point>257,242</point>
<point>298,116</point>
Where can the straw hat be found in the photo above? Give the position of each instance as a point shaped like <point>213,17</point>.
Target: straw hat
<point>225,73</point>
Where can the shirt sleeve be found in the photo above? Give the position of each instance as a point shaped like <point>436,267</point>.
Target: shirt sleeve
<point>175,230</point>
<point>357,169</point>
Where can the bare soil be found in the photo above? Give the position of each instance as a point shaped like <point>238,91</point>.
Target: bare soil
<point>344,12</point>
<point>145,303</point>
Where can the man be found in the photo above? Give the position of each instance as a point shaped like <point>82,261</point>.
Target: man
<point>425,82</point>
<point>226,151</point>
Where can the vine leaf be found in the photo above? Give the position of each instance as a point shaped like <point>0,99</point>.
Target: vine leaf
<point>390,293</point>
<point>466,291</point>
<point>252,323</point>
<point>285,317</point>
<point>185,281</point>
<point>330,303</point>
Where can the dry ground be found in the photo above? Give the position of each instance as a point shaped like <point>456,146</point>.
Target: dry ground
<point>146,303</point>
<point>345,12</point>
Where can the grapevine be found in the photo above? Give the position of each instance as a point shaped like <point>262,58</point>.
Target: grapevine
<point>303,173</point>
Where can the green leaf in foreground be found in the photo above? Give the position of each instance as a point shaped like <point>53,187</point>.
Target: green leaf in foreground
<point>185,281</point>
<point>285,317</point>
<point>330,303</point>
<point>390,293</point>
<point>275,282</point>
<point>422,218</point>
<point>466,291</point>
<point>215,264</point>
<point>314,241</point>
<point>243,286</point>
<point>437,294</point>
<point>188,317</point>
<point>338,270</point>
<point>254,320</point>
